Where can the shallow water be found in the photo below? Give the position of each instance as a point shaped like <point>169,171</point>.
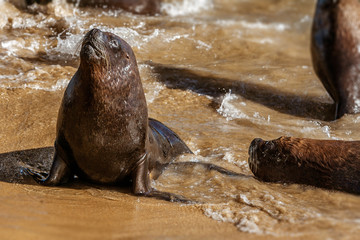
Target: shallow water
<point>219,73</point>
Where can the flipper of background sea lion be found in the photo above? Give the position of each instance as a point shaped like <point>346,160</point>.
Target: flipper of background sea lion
<point>322,43</point>
<point>334,50</point>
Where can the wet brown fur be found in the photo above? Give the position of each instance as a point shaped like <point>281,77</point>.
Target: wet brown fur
<point>335,39</point>
<point>150,7</point>
<point>104,134</point>
<point>327,164</point>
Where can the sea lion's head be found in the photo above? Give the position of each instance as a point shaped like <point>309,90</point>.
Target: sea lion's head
<point>272,160</point>
<point>104,53</point>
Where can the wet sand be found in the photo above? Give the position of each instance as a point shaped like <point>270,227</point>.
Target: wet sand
<point>92,213</point>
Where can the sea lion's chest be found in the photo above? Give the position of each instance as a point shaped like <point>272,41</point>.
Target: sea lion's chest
<point>106,135</point>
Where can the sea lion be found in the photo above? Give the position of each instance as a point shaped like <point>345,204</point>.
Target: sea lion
<point>150,7</point>
<point>146,7</point>
<point>335,41</point>
<point>103,131</point>
<point>327,164</point>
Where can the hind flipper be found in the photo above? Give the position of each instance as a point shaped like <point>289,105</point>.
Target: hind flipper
<point>165,146</point>
<point>142,185</point>
<point>59,173</point>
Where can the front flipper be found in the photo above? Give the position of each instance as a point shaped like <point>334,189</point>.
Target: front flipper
<point>59,173</point>
<point>141,184</point>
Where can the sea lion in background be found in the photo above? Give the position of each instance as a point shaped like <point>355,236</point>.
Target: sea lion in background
<point>104,134</point>
<point>150,7</point>
<point>327,164</point>
<point>335,41</point>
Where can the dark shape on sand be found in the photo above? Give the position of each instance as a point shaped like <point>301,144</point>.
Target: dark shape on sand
<point>147,7</point>
<point>335,41</point>
<point>327,164</point>
<point>180,78</point>
<point>150,7</point>
<point>13,165</point>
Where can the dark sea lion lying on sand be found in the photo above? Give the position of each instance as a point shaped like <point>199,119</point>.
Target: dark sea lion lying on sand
<point>335,41</point>
<point>150,7</point>
<point>327,164</point>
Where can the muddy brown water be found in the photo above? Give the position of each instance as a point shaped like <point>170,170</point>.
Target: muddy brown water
<point>219,73</point>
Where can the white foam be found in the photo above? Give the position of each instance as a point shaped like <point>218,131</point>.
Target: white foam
<point>244,199</point>
<point>175,37</point>
<point>264,41</point>
<point>231,112</point>
<point>263,26</point>
<point>201,44</point>
<point>31,80</point>
<point>186,7</point>
<point>245,221</point>
<point>8,10</point>
<point>305,19</point>
<point>69,45</point>
<point>153,88</point>
<point>60,84</point>
<point>230,158</point>
<point>20,22</point>
<point>228,110</point>
<point>247,224</point>
<point>63,9</point>
<point>223,215</point>
<point>13,46</point>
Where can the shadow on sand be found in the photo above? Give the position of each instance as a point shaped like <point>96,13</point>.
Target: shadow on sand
<point>13,165</point>
<point>178,78</point>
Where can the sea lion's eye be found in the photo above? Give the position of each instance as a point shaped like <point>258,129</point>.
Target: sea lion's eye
<point>114,44</point>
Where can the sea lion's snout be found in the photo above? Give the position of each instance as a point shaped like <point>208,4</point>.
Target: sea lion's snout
<point>261,154</point>
<point>261,146</point>
<point>94,33</point>
<point>93,36</point>
<point>253,147</point>
<point>253,159</point>
<point>93,45</point>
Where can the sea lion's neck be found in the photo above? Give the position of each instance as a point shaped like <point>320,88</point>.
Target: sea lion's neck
<point>109,90</point>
